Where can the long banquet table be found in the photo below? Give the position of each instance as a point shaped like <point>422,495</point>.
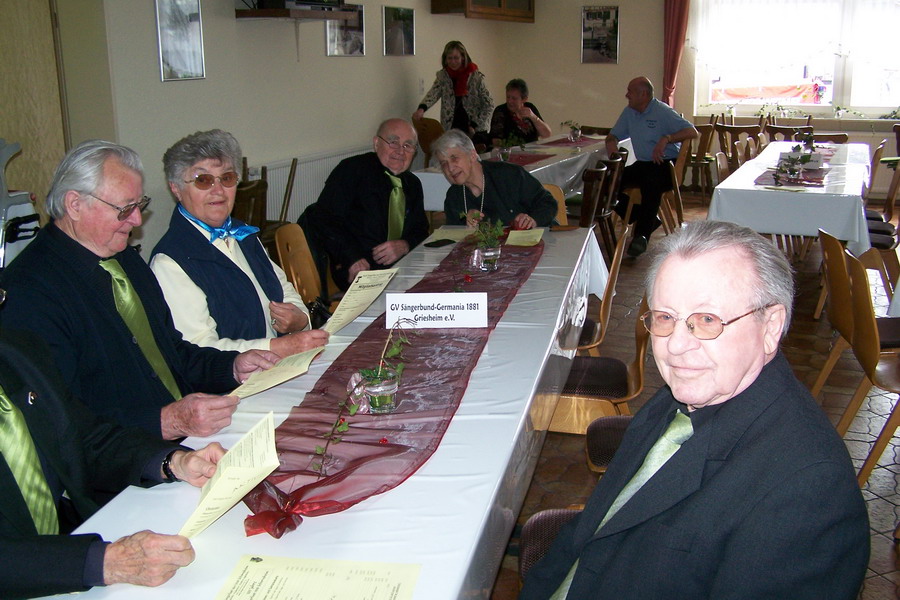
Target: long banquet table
<point>455,514</point>
<point>563,166</point>
<point>836,207</point>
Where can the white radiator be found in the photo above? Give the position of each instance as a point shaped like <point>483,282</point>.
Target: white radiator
<point>312,171</point>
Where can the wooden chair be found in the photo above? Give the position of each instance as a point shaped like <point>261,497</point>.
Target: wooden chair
<point>825,138</point>
<point>882,368</point>
<point>701,160</point>
<point>557,193</point>
<point>298,264</point>
<point>608,196</point>
<point>728,134</point>
<point>671,205</point>
<point>880,240</point>
<point>896,129</point>
<point>603,438</point>
<point>739,154</point>
<point>599,386</point>
<point>786,133</point>
<point>752,149</point>
<point>250,202</point>
<point>593,184</point>
<point>267,234</point>
<point>666,210</point>
<point>723,169</point>
<point>593,331</point>
<point>427,130</point>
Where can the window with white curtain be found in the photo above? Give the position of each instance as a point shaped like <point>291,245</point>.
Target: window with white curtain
<point>807,54</point>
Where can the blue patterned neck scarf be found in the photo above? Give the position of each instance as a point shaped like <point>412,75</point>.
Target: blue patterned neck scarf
<point>238,233</point>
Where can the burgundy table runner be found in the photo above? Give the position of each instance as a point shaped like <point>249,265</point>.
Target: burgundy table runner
<point>808,178</point>
<point>524,158</point>
<point>581,143</point>
<point>379,452</point>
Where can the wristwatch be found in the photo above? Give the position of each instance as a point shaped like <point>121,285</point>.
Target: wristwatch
<point>167,468</point>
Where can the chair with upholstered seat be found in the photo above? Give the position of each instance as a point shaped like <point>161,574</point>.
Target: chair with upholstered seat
<point>603,438</point>
<point>608,195</point>
<point>594,331</point>
<point>879,235</point>
<point>538,534</point>
<point>600,386</point>
<point>874,164</point>
<point>882,369</point>
<point>428,130</point>
<point>299,266</point>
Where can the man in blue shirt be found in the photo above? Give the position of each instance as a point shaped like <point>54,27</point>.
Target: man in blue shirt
<point>656,133</point>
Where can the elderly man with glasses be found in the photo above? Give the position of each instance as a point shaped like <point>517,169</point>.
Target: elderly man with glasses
<point>90,296</point>
<point>730,482</point>
<point>371,212</point>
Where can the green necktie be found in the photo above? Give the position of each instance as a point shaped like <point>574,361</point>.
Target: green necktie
<point>18,449</point>
<point>396,208</point>
<point>678,432</point>
<point>132,312</point>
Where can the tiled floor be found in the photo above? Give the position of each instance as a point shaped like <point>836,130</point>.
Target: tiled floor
<point>562,477</point>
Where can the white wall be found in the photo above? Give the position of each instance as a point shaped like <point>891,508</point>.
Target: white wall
<point>279,106</point>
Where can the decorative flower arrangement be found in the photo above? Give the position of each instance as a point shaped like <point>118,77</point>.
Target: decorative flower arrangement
<point>791,165</point>
<point>513,140</point>
<point>574,130</point>
<point>488,234</point>
<point>356,400</point>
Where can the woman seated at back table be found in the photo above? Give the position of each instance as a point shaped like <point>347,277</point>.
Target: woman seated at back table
<point>517,117</point>
<point>221,286</point>
<point>489,190</point>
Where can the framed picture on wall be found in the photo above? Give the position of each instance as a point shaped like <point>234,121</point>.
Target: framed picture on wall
<point>180,35</point>
<point>399,31</point>
<point>346,38</point>
<point>600,34</point>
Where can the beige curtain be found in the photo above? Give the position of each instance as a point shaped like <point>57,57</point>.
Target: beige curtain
<point>29,96</point>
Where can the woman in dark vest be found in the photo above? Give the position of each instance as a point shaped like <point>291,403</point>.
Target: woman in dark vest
<point>221,286</point>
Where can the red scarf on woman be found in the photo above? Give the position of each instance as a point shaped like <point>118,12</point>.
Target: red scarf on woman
<point>460,78</point>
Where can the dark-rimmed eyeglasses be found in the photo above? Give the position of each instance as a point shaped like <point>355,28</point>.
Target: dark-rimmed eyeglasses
<point>395,145</point>
<point>205,181</point>
<point>703,326</point>
<point>125,211</point>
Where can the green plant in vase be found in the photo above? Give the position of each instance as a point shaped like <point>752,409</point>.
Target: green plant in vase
<point>487,242</point>
<point>574,130</point>
<point>790,166</point>
<point>508,143</point>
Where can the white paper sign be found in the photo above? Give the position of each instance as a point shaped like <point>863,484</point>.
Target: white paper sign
<point>438,311</point>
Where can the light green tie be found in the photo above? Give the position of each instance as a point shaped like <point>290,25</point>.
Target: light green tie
<point>132,312</point>
<point>18,449</point>
<point>396,208</point>
<point>678,432</point>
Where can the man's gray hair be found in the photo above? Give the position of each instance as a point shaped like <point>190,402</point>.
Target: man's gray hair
<point>214,144</point>
<point>774,280</point>
<point>452,139</point>
<point>81,170</point>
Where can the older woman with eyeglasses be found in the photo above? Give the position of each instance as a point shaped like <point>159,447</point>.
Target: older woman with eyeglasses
<point>489,190</point>
<point>221,286</point>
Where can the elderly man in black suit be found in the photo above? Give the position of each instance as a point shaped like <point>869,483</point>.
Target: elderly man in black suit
<point>94,301</point>
<point>70,450</point>
<point>730,482</point>
<point>371,211</point>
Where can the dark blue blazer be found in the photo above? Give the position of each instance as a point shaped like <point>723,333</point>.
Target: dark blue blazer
<point>230,294</point>
<point>57,290</point>
<point>761,502</point>
<point>86,455</point>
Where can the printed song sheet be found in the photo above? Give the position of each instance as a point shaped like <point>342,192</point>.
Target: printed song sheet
<point>367,286</point>
<point>457,234</point>
<point>286,368</point>
<point>528,237</point>
<point>279,578</point>
<point>251,459</point>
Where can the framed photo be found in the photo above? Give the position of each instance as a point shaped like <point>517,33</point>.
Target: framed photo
<point>346,38</point>
<point>600,34</point>
<point>399,31</point>
<point>180,35</point>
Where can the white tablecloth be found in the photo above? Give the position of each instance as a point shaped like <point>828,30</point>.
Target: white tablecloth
<point>837,207</point>
<point>563,166</point>
<point>455,514</point>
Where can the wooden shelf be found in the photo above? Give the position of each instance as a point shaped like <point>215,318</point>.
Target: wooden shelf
<point>293,13</point>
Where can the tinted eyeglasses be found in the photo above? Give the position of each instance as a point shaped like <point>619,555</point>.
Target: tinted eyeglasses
<point>205,181</point>
<point>704,326</point>
<point>395,145</point>
<point>125,211</point>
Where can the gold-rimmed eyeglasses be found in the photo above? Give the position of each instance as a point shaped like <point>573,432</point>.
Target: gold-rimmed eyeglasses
<point>125,211</point>
<point>395,145</point>
<point>205,181</point>
<point>703,326</point>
